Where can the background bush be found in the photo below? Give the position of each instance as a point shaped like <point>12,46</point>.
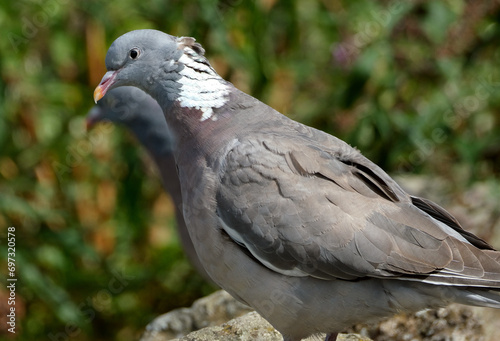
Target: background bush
<point>414,85</point>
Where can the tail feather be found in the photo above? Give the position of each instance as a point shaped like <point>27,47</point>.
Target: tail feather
<point>479,297</point>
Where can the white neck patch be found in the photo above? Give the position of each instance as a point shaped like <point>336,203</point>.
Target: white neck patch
<point>202,88</point>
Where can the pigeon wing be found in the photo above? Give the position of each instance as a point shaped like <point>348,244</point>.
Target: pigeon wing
<point>304,208</point>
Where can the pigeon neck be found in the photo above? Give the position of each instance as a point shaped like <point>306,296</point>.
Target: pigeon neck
<point>158,145</point>
<point>210,135</point>
<point>154,137</point>
<point>201,87</point>
<point>203,136</point>
<point>192,83</point>
<point>194,98</point>
<point>168,172</point>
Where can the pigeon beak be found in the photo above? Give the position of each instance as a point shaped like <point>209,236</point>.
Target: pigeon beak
<point>106,82</point>
<point>93,117</point>
<point>90,122</point>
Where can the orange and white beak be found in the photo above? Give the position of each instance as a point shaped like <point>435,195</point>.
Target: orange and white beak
<point>106,82</point>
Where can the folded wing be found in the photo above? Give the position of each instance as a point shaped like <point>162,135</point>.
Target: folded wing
<point>321,209</point>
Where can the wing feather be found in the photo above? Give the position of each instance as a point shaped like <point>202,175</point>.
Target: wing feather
<point>305,209</point>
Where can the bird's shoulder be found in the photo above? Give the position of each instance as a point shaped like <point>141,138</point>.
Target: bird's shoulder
<point>287,150</point>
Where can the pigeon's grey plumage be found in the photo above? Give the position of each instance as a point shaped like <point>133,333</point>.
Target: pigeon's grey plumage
<point>290,220</point>
<point>140,113</point>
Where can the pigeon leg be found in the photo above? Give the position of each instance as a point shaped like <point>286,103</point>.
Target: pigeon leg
<point>331,337</point>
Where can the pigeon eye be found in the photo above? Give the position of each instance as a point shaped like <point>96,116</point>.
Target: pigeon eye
<point>134,53</point>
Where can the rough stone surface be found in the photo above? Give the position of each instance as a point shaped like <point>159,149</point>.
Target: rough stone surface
<point>212,310</point>
<point>245,328</point>
<point>251,327</point>
<point>455,322</point>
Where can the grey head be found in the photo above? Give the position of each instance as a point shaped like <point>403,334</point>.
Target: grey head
<point>140,113</point>
<point>176,69</point>
<point>141,52</point>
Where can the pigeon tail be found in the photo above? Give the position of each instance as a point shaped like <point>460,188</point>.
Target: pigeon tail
<point>479,297</point>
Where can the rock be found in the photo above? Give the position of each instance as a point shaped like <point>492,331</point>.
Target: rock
<point>217,309</point>
<point>352,337</point>
<point>212,310</point>
<point>455,322</point>
<point>245,328</point>
<point>204,320</point>
<point>250,327</point>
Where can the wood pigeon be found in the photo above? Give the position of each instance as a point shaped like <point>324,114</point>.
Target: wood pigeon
<point>290,220</point>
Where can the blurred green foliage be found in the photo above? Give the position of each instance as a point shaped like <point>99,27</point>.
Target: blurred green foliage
<point>414,85</point>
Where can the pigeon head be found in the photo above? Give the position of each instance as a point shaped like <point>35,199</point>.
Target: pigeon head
<point>128,106</point>
<point>140,113</point>
<point>167,67</point>
<point>134,53</point>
